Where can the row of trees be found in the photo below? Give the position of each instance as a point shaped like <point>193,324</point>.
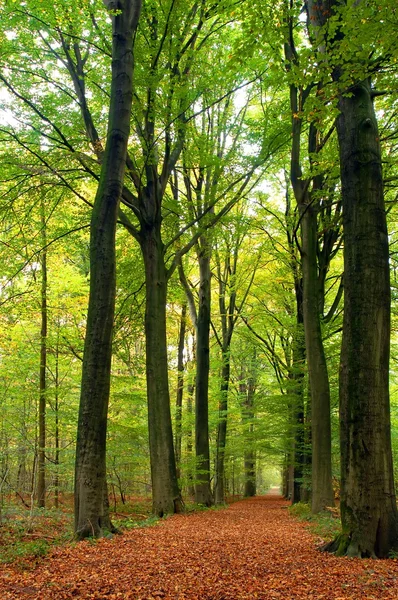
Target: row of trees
<point>219,98</point>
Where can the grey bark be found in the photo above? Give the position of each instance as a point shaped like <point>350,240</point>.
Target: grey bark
<point>322,491</point>
<point>202,488</point>
<point>41,465</point>
<point>180,387</point>
<point>166,496</point>
<point>90,471</point>
<point>368,501</point>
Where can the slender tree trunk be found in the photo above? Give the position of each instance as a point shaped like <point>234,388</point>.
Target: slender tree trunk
<point>322,490</point>
<point>41,466</point>
<point>166,496</point>
<point>306,490</point>
<point>202,488</point>
<point>368,501</point>
<point>180,387</point>
<point>298,409</point>
<point>90,478</point>
<point>219,493</point>
<point>190,395</point>
<point>249,452</point>
<point>56,410</point>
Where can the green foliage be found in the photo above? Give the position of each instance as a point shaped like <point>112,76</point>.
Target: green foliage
<point>27,536</point>
<point>325,525</point>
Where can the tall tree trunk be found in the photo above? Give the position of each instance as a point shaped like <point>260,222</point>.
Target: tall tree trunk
<point>90,472</point>
<point>190,395</point>
<point>180,387</point>
<point>298,407</point>
<point>41,466</point>
<point>202,489</point>
<point>56,411</point>
<point>219,494</point>
<point>166,496</point>
<point>322,490</point>
<point>368,501</point>
<point>249,452</point>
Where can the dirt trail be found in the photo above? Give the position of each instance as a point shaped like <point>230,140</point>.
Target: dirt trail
<point>252,549</point>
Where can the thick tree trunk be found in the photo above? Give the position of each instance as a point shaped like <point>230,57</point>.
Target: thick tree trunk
<point>322,490</point>
<point>219,494</point>
<point>41,466</point>
<point>166,496</point>
<point>202,488</point>
<point>180,388</point>
<point>90,479</point>
<point>368,502</point>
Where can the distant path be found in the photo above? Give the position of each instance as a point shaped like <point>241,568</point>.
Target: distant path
<point>251,550</point>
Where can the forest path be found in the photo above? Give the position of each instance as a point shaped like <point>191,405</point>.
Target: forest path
<point>252,549</point>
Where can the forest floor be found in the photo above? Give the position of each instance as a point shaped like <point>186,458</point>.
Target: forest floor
<point>252,549</point>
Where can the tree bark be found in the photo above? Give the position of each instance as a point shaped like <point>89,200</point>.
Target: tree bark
<point>219,494</point>
<point>41,466</point>
<point>165,493</point>
<point>56,411</point>
<point>298,409</point>
<point>249,453</point>
<point>90,472</point>
<point>180,388</point>
<point>322,490</point>
<point>368,501</point>
<point>202,488</point>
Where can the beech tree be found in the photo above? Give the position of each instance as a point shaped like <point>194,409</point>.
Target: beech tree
<point>368,502</point>
<point>91,506</point>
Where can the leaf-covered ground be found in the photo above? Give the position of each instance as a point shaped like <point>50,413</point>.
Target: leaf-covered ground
<point>253,549</point>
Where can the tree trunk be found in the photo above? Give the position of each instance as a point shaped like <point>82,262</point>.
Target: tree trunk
<point>368,502</point>
<point>322,490</point>
<point>190,394</point>
<point>180,388</point>
<point>90,478</point>
<point>56,411</point>
<point>166,496</point>
<point>219,494</point>
<point>202,488</point>
<point>41,467</point>
<point>249,452</point>
<point>298,408</point>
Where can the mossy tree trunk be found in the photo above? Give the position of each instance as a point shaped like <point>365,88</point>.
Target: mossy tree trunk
<point>166,497</point>
<point>180,387</point>
<point>41,462</point>
<point>248,411</point>
<point>203,493</point>
<point>90,475</point>
<point>368,501</point>
<point>322,490</point>
<point>321,480</point>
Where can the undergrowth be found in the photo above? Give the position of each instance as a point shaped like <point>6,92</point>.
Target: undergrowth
<point>326,525</point>
<point>26,537</point>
